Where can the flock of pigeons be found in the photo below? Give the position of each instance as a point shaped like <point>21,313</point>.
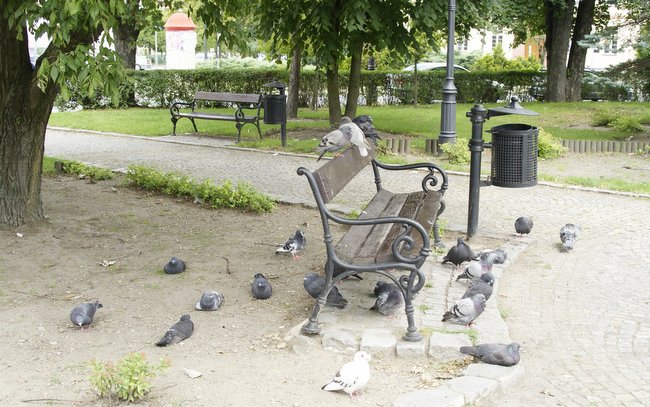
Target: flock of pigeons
<point>354,375</point>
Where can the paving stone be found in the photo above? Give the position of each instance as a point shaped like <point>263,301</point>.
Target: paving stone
<point>378,340</point>
<point>340,340</point>
<point>444,346</point>
<point>438,397</point>
<point>473,388</point>
<point>406,349</point>
<point>505,375</point>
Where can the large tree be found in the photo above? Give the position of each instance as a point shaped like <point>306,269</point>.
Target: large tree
<point>137,15</point>
<point>28,92</point>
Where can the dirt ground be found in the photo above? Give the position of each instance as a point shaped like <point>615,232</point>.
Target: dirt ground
<point>104,241</point>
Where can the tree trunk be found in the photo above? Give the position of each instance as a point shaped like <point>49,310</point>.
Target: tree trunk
<point>126,36</point>
<point>333,103</point>
<point>25,110</point>
<point>355,81</point>
<point>315,94</point>
<point>294,83</point>
<point>559,18</point>
<point>578,54</point>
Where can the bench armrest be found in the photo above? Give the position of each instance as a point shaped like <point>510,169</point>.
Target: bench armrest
<point>175,107</point>
<point>239,113</point>
<point>429,181</point>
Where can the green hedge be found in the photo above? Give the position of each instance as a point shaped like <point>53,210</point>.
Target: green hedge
<point>156,88</point>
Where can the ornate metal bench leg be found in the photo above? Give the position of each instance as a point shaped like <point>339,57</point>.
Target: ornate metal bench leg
<point>412,334</point>
<point>259,130</point>
<point>311,327</point>
<point>194,124</point>
<point>437,241</point>
<point>174,120</point>
<point>239,126</point>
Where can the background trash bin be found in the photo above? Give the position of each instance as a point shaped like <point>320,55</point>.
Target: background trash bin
<point>514,155</point>
<point>275,109</point>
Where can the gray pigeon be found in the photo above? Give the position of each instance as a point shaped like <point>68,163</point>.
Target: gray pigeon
<point>347,133</point>
<point>294,244</point>
<point>466,310</point>
<point>389,300</point>
<point>523,225</point>
<point>210,301</point>
<point>494,353</point>
<point>476,268</point>
<point>499,255</point>
<point>459,253</point>
<point>261,287</point>
<point>174,266</point>
<point>484,285</point>
<point>380,287</point>
<point>179,331</point>
<point>83,314</point>
<point>367,127</point>
<point>568,236</point>
<point>314,285</point>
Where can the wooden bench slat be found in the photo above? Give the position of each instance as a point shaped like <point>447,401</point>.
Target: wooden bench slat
<point>349,244</point>
<point>375,239</point>
<point>228,97</point>
<point>334,175</point>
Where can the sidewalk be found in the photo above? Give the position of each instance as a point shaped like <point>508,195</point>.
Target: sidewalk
<point>581,317</point>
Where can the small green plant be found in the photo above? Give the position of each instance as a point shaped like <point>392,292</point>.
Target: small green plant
<point>603,117</point>
<point>457,153</point>
<point>549,146</point>
<point>226,195</point>
<point>628,124</point>
<point>81,169</point>
<point>128,380</point>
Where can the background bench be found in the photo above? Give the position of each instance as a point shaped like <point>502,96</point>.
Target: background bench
<point>392,233</point>
<point>241,101</point>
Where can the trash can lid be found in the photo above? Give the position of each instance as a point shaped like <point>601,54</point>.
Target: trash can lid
<point>511,108</point>
<point>275,84</point>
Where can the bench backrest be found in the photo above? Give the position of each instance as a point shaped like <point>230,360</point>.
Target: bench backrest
<point>228,97</point>
<point>334,175</point>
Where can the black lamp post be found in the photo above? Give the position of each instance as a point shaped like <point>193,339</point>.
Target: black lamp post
<point>449,92</point>
<point>478,115</point>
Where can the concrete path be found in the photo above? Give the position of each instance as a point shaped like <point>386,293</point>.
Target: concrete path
<point>582,317</point>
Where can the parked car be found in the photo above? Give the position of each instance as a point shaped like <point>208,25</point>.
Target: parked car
<point>434,66</point>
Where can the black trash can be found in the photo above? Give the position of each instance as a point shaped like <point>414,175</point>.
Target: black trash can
<point>514,155</point>
<point>275,109</point>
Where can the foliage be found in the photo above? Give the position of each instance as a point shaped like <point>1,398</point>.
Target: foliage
<point>628,124</point>
<point>456,153</point>
<point>83,170</point>
<point>226,195</point>
<point>128,380</point>
<point>497,61</point>
<point>549,146</point>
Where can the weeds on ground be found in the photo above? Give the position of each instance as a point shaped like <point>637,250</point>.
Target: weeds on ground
<point>226,195</point>
<point>549,146</point>
<point>84,171</point>
<point>456,153</point>
<point>128,380</point>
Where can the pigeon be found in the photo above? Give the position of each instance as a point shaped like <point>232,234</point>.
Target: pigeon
<point>83,314</point>
<point>476,268</point>
<point>380,287</point>
<point>494,353</point>
<point>367,127</point>
<point>466,310</point>
<point>352,377</point>
<point>568,236</point>
<point>210,301</point>
<point>314,285</point>
<point>499,255</point>
<point>523,225</point>
<point>175,266</point>
<point>459,253</point>
<point>347,133</point>
<point>294,244</point>
<point>179,331</point>
<point>389,300</point>
<point>261,287</point>
<point>484,285</point>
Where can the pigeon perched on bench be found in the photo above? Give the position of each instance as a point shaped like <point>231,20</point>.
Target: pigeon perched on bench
<point>466,310</point>
<point>180,331</point>
<point>210,301</point>
<point>294,244</point>
<point>352,377</point>
<point>568,236</point>
<point>494,353</point>
<point>523,225</point>
<point>83,314</point>
<point>261,287</point>
<point>347,133</point>
<point>366,125</point>
<point>314,285</point>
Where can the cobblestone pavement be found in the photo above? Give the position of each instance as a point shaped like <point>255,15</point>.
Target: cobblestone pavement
<point>582,317</point>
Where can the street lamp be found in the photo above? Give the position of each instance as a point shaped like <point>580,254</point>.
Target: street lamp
<point>449,92</point>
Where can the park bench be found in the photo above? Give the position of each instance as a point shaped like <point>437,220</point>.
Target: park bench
<point>242,101</point>
<point>392,232</point>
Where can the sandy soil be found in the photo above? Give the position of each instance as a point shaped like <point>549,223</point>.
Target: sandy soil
<point>240,349</point>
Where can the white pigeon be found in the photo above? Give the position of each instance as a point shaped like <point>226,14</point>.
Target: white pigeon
<point>347,133</point>
<point>352,377</point>
<point>294,244</point>
<point>568,236</point>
